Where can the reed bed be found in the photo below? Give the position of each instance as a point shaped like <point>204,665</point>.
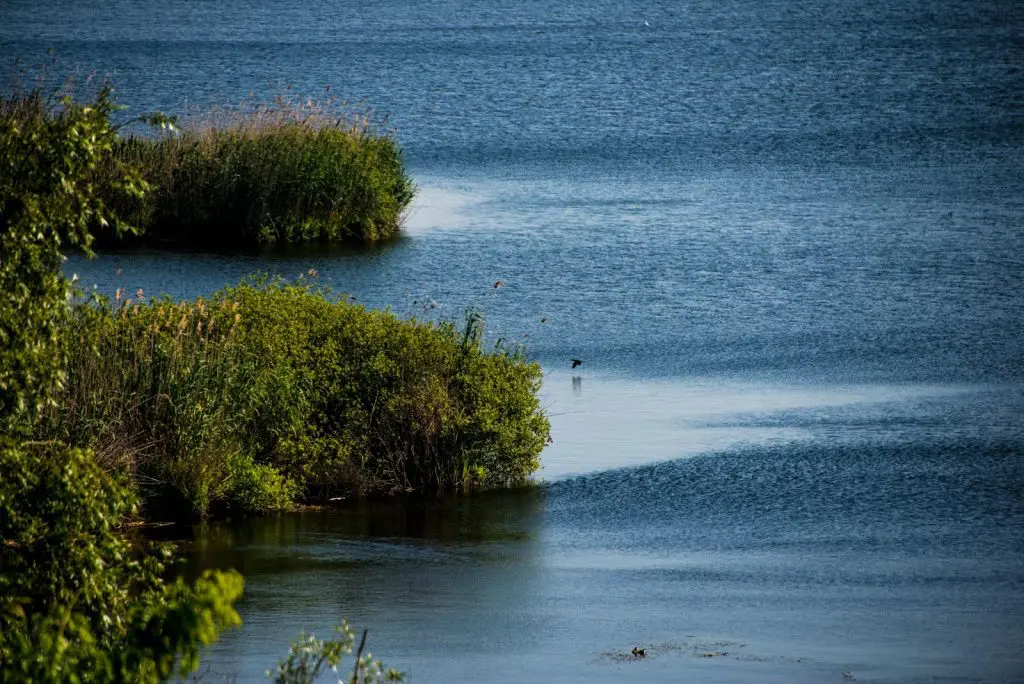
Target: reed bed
<point>280,172</point>
<point>271,393</point>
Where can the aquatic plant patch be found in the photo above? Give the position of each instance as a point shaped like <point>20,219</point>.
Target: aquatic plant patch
<point>268,391</point>
<point>258,182</point>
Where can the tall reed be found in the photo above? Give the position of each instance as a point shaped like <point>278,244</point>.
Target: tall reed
<point>157,390</point>
<point>291,172</point>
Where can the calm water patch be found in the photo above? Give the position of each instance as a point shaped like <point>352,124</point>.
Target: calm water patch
<point>439,205</point>
<point>601,422</point>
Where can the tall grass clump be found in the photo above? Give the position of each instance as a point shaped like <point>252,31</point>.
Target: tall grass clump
<point>283,172</point>
<point>270,391</point>
<point>157,390</point>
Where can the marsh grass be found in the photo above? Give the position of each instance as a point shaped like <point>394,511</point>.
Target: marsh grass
<point>270,391</point>
<point>288,171</point>
<point>155,389</point>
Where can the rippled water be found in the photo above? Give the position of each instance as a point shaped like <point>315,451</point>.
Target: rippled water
<point>787,239</point>
<point>875,536</point>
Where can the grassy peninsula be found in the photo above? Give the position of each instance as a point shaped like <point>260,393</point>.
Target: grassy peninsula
<point>256,398</point>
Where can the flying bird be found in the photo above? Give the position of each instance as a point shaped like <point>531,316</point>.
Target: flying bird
<point>576,362</point>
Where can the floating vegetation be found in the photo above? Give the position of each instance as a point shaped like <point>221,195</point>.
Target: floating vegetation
<point>694,648</point>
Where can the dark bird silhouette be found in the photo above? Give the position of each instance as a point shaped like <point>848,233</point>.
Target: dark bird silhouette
<point>639,652</point>
<point>576,362</point>
<point>498,283</point>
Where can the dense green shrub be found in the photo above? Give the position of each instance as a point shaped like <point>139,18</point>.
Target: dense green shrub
<point>257,487</point>
<point>78,601</point>
<point>363,399</point>
<point>230,401</point>
<point>50,150</point>
<point>281,173</point>
<point>160,391</point>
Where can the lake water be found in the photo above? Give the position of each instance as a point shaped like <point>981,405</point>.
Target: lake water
<point>787,240</point>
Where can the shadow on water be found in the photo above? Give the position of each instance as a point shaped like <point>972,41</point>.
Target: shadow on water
<point>275,251</point>
<point>372,532</point>
<point>396,567</point>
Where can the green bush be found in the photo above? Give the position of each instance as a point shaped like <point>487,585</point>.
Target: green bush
<point>227,402</point>
<point>360,399</point>
<point>158,391</point>
<point>258,487</point>
<point>78,600</point>
<point>50,150</point>
<point>282,173</point>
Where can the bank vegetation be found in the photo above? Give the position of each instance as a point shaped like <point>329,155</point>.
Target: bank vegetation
<point>253,399</point>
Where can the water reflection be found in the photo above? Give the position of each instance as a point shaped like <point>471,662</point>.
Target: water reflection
<point>577,386</point>
<point>400,528</point>
<point>475,558</point>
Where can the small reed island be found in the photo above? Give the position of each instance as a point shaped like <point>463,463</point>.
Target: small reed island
<point>284,172</point>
